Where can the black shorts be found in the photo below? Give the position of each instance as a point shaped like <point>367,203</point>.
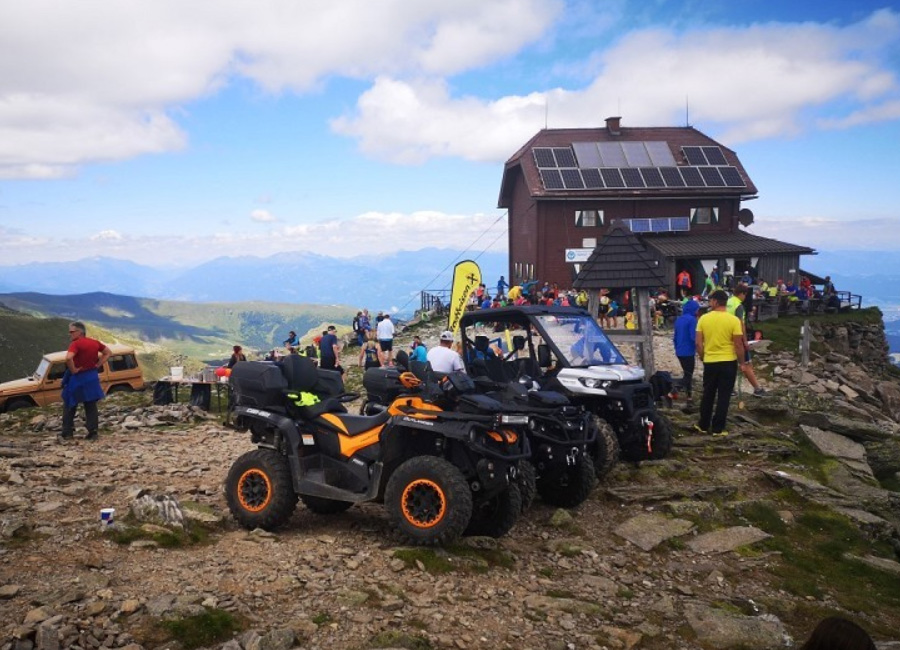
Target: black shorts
<point>386,344</point>
<point>603,310</point>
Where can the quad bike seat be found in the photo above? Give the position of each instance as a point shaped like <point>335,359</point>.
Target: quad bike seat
<point>351,425</point>
<point>303,376</point>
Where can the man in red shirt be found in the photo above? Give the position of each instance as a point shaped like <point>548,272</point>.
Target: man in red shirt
<point>81,385</point>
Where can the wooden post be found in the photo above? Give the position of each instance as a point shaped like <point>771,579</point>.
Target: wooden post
<point>805,336</point>
<point>645,328</point>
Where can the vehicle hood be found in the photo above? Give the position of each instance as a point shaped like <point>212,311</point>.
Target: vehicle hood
<point>17,386</point>
<point>617,372</point>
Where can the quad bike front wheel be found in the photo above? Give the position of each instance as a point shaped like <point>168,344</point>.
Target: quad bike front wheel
<point>526,479</point>
<point>259,490</point>
<point>647,443</point>
<point>428,500</point>
<point>571,487</point>
<point>605,450</point>
<point>494,517</point>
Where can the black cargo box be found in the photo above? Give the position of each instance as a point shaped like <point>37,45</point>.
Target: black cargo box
<point>382,384</point>
<point>258,383</point>
<point>329,383</point>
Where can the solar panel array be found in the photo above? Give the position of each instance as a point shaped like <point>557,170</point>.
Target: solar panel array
<point>663,224</point>
<point>632,165</point>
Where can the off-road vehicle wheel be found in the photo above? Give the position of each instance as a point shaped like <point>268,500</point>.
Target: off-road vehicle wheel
<point>570,488</point>
<point>323,506</point>
<point>496,516</point>
<point>527,482</point>
<point>259,490</point>
<point>18,403</point>
<point>428,500</point>
<point>605,450</point>
<point>660,443</point>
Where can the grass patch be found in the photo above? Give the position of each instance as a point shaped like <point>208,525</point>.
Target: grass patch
<point>813,564</point>
<point>817,465</point>
<point>547,572</point>
<point>194,534</point>
<point>625,593</point>
<point>764,516</point>
<point>493,557</point>
<point>211,627</point>
<point>560,593</point>
<point>395,639</point>
<point>784,332</point>
<point>431,561</point>
<point>323,618</point>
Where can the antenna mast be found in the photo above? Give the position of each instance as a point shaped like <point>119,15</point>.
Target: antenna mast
<point>687,111</point>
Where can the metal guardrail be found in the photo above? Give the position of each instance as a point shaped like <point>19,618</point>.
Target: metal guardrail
<point>435,300</point>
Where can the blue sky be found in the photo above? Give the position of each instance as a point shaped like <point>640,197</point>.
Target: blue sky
<point>171,133</point>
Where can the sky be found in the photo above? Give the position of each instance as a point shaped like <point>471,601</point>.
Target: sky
<point>171,133</point>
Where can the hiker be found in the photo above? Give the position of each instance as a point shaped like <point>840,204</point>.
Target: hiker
<point>81,382</point>
<point>720,343</point>
<point>737,307</point>
<point>683,280</point>
<point>603,308</point>
<point>685,340</point>
<point>237,355</point>
<point>442,358</point>
<point>385,334</point>
<point>329,350</point>
<point>502,286</point>
<point>291,341</point>
<point>418,351</point>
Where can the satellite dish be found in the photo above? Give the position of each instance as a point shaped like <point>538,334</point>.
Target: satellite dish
<point>745,217</point>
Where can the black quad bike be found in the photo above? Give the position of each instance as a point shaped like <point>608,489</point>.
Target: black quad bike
<point>564,350</point>
<point>432,469</point>
<point>560,435</point>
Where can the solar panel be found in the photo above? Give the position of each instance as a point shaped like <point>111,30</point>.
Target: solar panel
<point>612,154</point>
<point>694,155</point>
<point>731,176</point>
<point>572,179</point>
<point>592,179</point>
<point>636,154</point>
<point>552,179</point>
<point>612,178</point>
<point>659,225</point>
<point>652,177</point>
<point>632,177</point>
<point>680,224</point>
<point>544,157</point>
<point>564,157</point>
<point>587,154</point>
<point>711,176</point>
<point>715,156</point>
<point>692,177</point>
<point>640,225</point>
<point>660,154</point>
<point>672,176</point>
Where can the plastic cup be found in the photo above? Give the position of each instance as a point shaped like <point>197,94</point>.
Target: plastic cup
<point>107,517</point>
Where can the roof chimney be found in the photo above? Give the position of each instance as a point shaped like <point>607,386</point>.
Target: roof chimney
<point>612,125</point>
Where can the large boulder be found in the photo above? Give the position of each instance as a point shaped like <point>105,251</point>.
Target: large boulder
<point>881,439</point>
<point>889,394</point>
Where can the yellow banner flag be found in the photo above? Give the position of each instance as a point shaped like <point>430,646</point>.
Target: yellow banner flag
<point>466,278</point>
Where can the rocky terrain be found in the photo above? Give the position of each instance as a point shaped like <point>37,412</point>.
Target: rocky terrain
<point>743,542</point>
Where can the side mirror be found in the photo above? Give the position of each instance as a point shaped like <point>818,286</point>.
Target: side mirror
<point>543,353</point>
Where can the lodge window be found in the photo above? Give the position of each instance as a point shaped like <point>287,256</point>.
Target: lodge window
<point>704,215</point>
<point>588,218</point>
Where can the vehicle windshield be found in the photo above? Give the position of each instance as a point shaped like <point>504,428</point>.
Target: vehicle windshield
<point>41,369</point>
<point>580,340</point>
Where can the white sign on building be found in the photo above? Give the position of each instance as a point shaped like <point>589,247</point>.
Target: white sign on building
<point>578,254</point>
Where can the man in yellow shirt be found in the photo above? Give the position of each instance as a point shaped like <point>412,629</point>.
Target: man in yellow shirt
<point>720,343</point>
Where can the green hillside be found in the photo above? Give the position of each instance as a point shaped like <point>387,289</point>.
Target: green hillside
<point>165,332</point>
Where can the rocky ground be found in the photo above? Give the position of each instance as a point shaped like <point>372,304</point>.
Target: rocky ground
<point>740,542</point>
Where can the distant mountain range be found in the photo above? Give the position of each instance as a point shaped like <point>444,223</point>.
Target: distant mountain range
<point>387,283</point>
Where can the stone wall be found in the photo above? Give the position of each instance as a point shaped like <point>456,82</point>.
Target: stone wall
<point>864,344</point>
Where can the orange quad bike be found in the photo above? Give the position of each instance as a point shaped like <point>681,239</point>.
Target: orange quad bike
<point>431,467</point>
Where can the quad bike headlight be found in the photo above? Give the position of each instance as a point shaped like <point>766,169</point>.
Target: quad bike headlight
<point>514,419</point>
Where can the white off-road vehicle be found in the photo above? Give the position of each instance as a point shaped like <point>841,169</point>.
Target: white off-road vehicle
<point>564,349</point>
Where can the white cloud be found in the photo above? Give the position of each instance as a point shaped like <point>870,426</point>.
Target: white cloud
<point>742,83</point>
<point>94,81</point>
<point>371,233</point>
<point>262,216</point>
<point>107,235</point>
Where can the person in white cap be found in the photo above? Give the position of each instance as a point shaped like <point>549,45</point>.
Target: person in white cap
<point>442,358</point>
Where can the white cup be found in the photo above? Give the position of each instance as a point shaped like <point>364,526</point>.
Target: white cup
<point>107,517</point>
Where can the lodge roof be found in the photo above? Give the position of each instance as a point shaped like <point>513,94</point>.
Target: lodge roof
<point>579,175</point>
<point>720,244</point>
<point>620,261</point>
